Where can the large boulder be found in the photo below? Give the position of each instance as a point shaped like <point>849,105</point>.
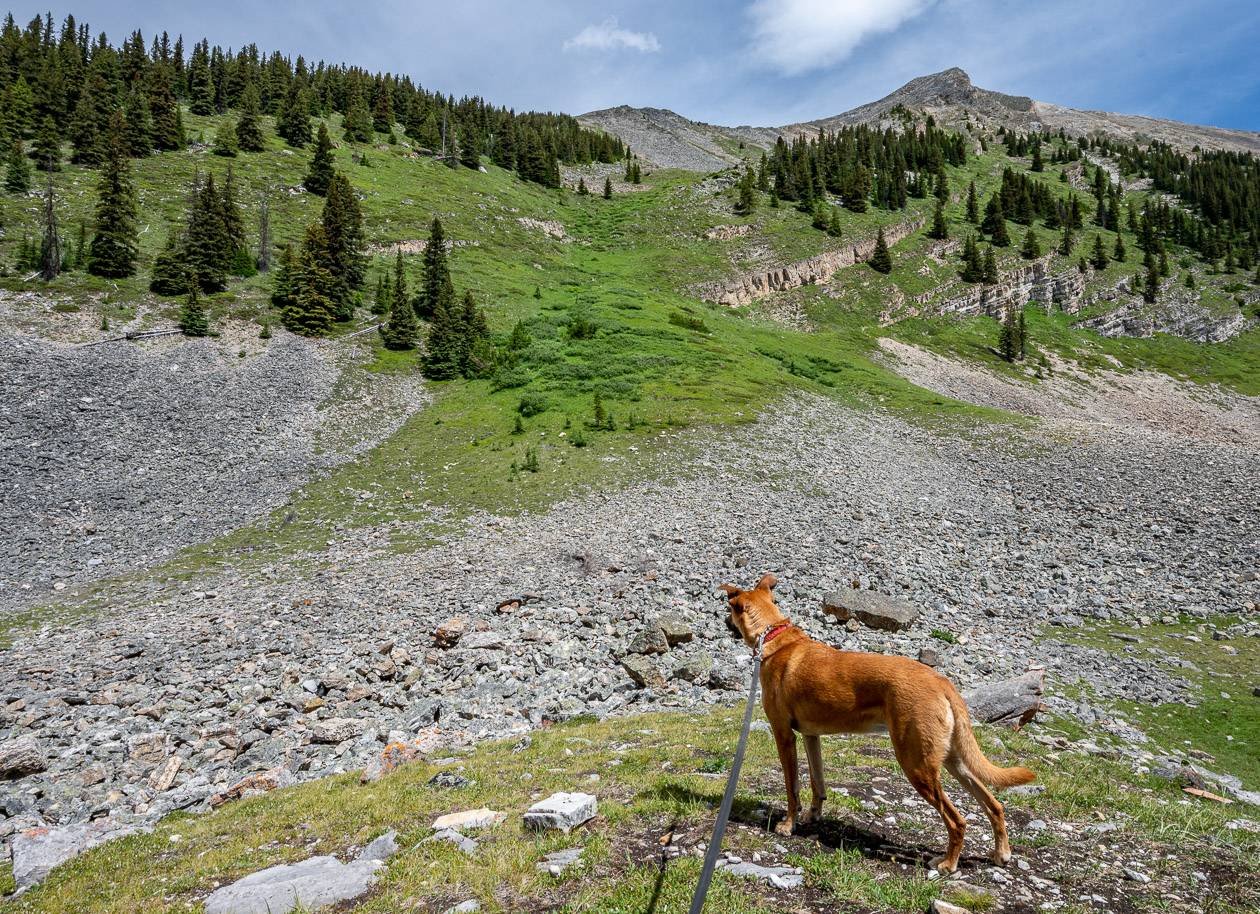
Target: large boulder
<point>21,757</point>
<point>872,609</point>
<point>563,811</point>
<point>643,671</point>
<point>37,850</point>
<point>310,884</point>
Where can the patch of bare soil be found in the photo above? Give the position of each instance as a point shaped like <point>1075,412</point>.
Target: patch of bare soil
<point>1070,397</point>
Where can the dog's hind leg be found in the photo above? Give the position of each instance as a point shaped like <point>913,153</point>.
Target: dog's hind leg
<point>817,786</point>
<point>992,808</point>
<point>785,740</point>
<point>920,758</point>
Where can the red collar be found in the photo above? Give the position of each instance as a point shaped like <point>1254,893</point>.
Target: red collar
<point>775,630</point>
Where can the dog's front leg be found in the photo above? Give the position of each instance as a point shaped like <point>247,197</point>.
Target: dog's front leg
<point>785,739</point>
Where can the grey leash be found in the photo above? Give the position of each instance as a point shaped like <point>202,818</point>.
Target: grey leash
<point>724,813</point>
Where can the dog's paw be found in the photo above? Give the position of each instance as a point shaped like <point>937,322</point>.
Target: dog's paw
<point>1001,857</point>
<point>941,865</point>
<point>806,816</point>
<point>784,828</point>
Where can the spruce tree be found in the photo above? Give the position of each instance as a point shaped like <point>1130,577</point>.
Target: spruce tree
<point>973,205</point>
<point>994,224</point>
<point>312,308</point>
<point>342,219</point>
<point>990,271</point>
<point>249,134</point>
<point>1118,253</point>
<point>208,248</point>
<point>469,148</point>
<point>1037,164</point>
<point>1008,336</point>
<point>225,140</point>
<point>168,123</point>
<point>435,284</point>
<point>1065,243</point>
<point>200,82</point>
<point>357,124</point>
<point>972,266</point>
<point>139,124</point>
<point>17,172</point>
<point>582,188</point>
<point>475,351</point>
<point>321,169</point>
<point>192,316</point>
<point>1098,259</point>
<point>293,121</point>
<point>881,258</point>
<point>940,228</point>
<point>607,188</point>
<point>444,347</point>
<point>1150,289</point>
<point>169,274</point>
<point>47,152</point>
<point>383,112</point>
<point>284,283</point>
<point>238,260</point>
<point>401,330</point>
<point>262,261</point>
<point>1022,336</point>
<point>1032,247</point>
<point>114,244</point>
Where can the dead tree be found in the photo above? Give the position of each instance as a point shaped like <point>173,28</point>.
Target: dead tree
<point>50,249</point>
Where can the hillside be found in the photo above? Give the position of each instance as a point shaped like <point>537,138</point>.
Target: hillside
<point>241,568</point>
<point>669,140</point>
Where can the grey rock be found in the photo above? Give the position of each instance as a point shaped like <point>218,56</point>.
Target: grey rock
<point>471,906</point>
<point>381,848</point>
<point>310,884</point>
<point>336,729</point>
<point>651,640</point>
<point>781,877</point>
<point>643,672</point>
<point>21,757</point>
<point>37,851</point>
<point>563,811</point>
<point>451,836</point>
<point>676,630</point>
<point>872,609</point>
<point>557,862</point>
<point>694,669</point>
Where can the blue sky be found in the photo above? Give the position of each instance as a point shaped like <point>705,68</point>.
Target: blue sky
<point>763,62</point>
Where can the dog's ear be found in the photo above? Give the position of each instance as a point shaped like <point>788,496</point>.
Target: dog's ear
<point>767,582</point>
<point>730,590</point>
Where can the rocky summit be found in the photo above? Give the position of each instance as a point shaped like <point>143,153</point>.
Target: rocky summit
<point>372,459</point>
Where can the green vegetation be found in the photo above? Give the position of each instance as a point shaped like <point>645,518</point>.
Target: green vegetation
<point>651,783</point>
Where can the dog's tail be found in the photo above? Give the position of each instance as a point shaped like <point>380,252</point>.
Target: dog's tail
<point>964,747</point>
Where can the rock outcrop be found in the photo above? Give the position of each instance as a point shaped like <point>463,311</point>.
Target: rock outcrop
<point>815,269</point>
<point>1016,288</point>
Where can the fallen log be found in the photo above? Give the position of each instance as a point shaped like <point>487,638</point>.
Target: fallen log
<point>1011,702</point>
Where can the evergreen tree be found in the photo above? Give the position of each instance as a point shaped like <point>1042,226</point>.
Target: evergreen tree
<point>321,170</point>
<point>1150,289</point>
<point>435,285</point>
<point>1008,336</point>
<point>444,346</point>
<point>1032,247</point>
<point>249,134</point>
<point>1037,164</point>
<point>475,351</point>
<point>208,247</point>
<point>293,120</point>
<point>401,330</point>
<point>1098,259</point>
<point>1164,270</point>
<point>881,258</point>
<point>383,112</point>
<point>225,140</point>
<point>168,123</point>
<point>382,295</point>
<point>1023,336</point>
<point>47,151</point>
<point>940,228</point>
<point>747,201</point>
<point>607,188</point>
<point>972,266</point>
<point>1119,254</point>
<point>284,285</point>
<point>342,219</point>
<point>357,124</point>
<point>114,244</point>
<point>312,307</point>
<point>262,261</point>
<point>50,248</point>
<point>994,223</point>
<point>1065,243</point>
<point>582,188</point>
<point>973,205</point>
<point>139,124</point>
<point>990,271</point>
<point>834,228</point>
<point>238,261</point>
<point>17,173</point>
<point>192,316</point>
<point>200,82</point>
<point>469,148</point>
<point>169,275</point>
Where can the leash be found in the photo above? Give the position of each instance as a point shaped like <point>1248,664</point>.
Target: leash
<point>728,798</point>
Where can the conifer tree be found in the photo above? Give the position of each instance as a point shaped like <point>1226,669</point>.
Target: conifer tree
<point>225,140</point>
<point>312,308</point>
<point>139,124</point>
<point>1098,259</point>
<point>994,223</point>
<point>382,295</point>
<point>284,284</point>
<point>50,248</point>
<point>940,228</point>
<point>435,285</point>
<point>747,201</point>
<point>972,266</point>
<point>357,123</point>
<point>1032,247</point>
<point>582,188</point>
<point>249,134</point>
<point>238,261</point>
<point>192,316</point>
<point>262,261</point>
<point>1065,243</point>
<point>881,258</point>
<point>207,243</point>
<point>200,82</point>
<point>1163,264</point>
<point>475,350</point>
<point>321,169</point>
<point>834,228</point>
<point>293,120</point>
<point>114,244</point>
<point>1008,336</point>
<point>168,123</point>
<point>1023,336</point>
<point>443,349</point>
<point>17,172</point>
<point>342,219</point>
<point>1119,254</point>
<point>383,112</point>
<point>1037,164</point>
<point>401,330</point>
<point>1150,289</point>
<point>607,188</point>
<point>973,205</point>
<point>469,148</point>
<point>47,150</point>
<point>990,270</point>
<point>169,274</point>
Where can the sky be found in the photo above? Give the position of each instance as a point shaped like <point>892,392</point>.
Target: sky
<point>759,62</point>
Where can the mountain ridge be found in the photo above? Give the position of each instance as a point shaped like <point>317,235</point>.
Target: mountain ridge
<point>667,139</point>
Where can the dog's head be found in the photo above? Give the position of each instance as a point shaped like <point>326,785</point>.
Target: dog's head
<point>753,611</point>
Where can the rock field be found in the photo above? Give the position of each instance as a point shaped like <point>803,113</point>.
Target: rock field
<point>604,605</point>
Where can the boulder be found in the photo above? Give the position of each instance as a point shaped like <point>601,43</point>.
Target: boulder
<point>643,671</point>
<point>781,877</point>
<point>260,782</point>
<point>310,884</point>
<point>21,757</point>
<point>694,669</point>
<point>651,640</point>
<point>463,842</point>
<point>392,757</point>
<point>336,729</point>
<point>1011,702</point>
<point>468,819</point>
<point>676,630</point>
<point>557,862</point>
<point>563,811</point>
<point>449,632</point>
<point>37,850</point>
<point>873,609</point>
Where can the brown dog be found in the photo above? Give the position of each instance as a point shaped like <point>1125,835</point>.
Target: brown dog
<point>815,689</point>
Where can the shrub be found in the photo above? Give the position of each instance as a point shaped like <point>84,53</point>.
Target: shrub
<point>678,319</point>
<point>532,405</point>
<point>507,378</point>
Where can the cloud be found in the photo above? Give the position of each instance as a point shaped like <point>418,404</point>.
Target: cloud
<point>795,36</point>
<point>609,36</point>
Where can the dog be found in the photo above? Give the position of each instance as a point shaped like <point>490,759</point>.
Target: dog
<point>814,689</point>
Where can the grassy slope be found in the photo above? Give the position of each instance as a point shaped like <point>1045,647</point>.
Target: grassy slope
<point>649,777</point>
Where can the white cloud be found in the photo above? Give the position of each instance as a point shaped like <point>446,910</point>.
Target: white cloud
<point>609,36</point>
<point>795,36</point>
